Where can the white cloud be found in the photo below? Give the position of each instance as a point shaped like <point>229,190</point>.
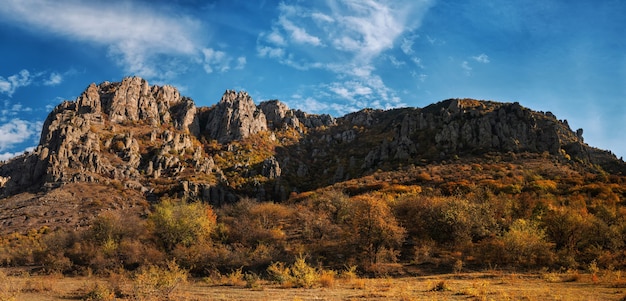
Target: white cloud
<point>320,17</point>
<point>394,61</point>
<point>276,38</point>
<point>354,34</point>
<point>135,34</point>
<point>9,111</point>
<point>10,84</point>
<point>421,76</point>
<point>407,46</point>
<point>7,156</point>
<point>417,61</point>
<point>241,63</point>
<point>350,90</point>
<point>362,29</point>
<point>468,69</point>
<point>216,59</point>
<point>482,58</point>
<point>270,52</point>
<point>309,104</point>
<point>298,34</point>
<point>17,131</point>
<point>53,80</point>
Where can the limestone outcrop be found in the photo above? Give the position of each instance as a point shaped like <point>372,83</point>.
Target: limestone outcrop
<point>235,117</point>
<point>154,141</point>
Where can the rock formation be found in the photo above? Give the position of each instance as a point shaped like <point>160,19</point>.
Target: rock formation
<point>235,117</point>
<point>151,139</point>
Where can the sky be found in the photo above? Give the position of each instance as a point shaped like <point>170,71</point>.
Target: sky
<point>324,56</point>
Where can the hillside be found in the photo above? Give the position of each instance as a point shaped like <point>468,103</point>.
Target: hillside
<point>122,147</point>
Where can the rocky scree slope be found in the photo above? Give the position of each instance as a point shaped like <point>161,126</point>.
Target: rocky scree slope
<point>130,136</point>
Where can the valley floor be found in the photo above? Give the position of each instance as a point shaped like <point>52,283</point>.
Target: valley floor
<point>461,286</point>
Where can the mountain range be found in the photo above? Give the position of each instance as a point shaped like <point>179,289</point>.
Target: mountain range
<point>123,145</point>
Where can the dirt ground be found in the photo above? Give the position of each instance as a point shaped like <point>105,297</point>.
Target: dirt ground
<point>464,286</point>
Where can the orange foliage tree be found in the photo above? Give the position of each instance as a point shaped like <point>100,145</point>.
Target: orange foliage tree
<point>374,226</point>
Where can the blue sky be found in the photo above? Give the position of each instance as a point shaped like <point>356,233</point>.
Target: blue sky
<point>326,56</point>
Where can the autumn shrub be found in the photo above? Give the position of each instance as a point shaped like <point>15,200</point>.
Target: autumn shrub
<point>235,278</point>
<point>447,220</point>
<point>303,274</point>
<point>349,272</point>
<point>160,282</point>
<point>99,292</point>
<point>250,223</point>
<point>113,241</point>
<point>279,272</point>
<point>567,230</point>
<point>525,245</point>
<point>298,274</point>
<point>17,249</point>
<point>322,227</point>
<point>374,227</point>
<point>177,222</point>
<point>327,278</point>
<point>491,252</point>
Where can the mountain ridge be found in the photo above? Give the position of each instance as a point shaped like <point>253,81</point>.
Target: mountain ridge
<point>129,135</point>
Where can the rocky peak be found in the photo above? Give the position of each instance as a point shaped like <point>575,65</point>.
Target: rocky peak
<point>235,117</point>
<point>314,120</point>
<point>97,137</point>
<point>279,115</point>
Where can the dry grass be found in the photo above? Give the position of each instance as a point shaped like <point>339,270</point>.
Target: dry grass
<point>459,286</point>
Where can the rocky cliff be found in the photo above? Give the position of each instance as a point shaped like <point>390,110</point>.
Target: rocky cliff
<point>152,140</point>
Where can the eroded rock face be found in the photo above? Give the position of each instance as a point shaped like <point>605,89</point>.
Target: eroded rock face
<point>132,132</point>
<point>75,132</point>
<point>235,117</point>
<point>279,117</point>
<point>458,126</point>
<point>140,136</point>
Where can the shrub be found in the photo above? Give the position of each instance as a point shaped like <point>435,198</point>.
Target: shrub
<point>279,272</point>
<point>303,274</point>
<point>180,223</point>
<point>299,274</point>
<point>99,292</point>
<point>327,278</point>
<point>235,278</point>
<point>349,273</point>
<point>374,226</point>
<point>525,244</point>
<point>160,282</point>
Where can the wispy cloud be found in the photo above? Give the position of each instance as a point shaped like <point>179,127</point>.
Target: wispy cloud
<point>215,59</point>
<point>10,110</point>
<point>53,80</point>
<point>350,90</point>
<point>135,34</point>
<point>11,83</point>
<point>407,44</point>
<point>345,37</point>
<point>308,104</point>
<point>482,58</point>
<point>466,67</point>
<point>298,34</point>
<point>17,131</point>
<point>25,78</point>
<point>241,63</point>
<point>395,62</point>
